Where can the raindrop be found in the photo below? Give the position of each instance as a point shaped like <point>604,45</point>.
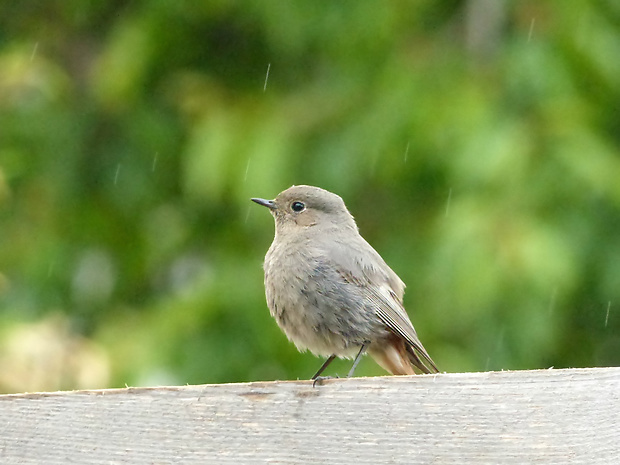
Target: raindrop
<point>118,168</point>
<point>247,169</point>
<point>406,152</point>
<point>154,161</point>
<point>448,202</point>
<point>607,315</point>
<point>34,51</point>
<point>529,35</point>
<point>267,77</point>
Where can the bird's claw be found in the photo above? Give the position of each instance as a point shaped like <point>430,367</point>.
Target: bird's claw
<point>320,379</point>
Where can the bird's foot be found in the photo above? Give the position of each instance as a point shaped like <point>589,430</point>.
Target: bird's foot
<point>319,379</point>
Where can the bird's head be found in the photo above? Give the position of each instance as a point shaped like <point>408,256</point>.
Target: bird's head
<point>301,207</point>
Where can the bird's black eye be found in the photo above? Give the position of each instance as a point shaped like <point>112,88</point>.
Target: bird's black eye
<point>298,206</point>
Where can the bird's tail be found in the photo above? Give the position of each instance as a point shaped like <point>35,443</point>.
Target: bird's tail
<point>426,366</point>
<point>399,358</point>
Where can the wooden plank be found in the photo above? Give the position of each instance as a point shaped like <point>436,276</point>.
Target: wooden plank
<point>543,417</point>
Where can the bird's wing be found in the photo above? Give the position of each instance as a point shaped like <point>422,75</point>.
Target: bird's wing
<point>392,313</point>
<point>359,263</point>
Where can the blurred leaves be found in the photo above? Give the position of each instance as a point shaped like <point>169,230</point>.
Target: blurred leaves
<point>476,144</point>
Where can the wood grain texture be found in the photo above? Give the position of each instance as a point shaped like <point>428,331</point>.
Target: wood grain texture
<point>534,417</point>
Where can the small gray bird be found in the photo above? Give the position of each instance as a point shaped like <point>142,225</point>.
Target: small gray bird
<point>330,291</point>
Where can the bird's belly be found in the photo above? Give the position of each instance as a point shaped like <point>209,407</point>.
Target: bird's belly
<point>311,331</point>
<point>318,311</point>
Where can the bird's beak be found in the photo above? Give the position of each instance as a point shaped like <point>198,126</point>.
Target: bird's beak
<point>265,203</point>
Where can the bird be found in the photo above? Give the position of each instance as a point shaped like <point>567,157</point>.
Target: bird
<point>330,291</point>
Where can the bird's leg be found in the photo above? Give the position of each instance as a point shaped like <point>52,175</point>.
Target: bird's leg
<point>325,365</point>
<point>317,375</point>
<point>358,358</point>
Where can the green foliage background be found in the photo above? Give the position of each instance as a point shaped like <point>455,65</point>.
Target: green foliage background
<point>476,142</point>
